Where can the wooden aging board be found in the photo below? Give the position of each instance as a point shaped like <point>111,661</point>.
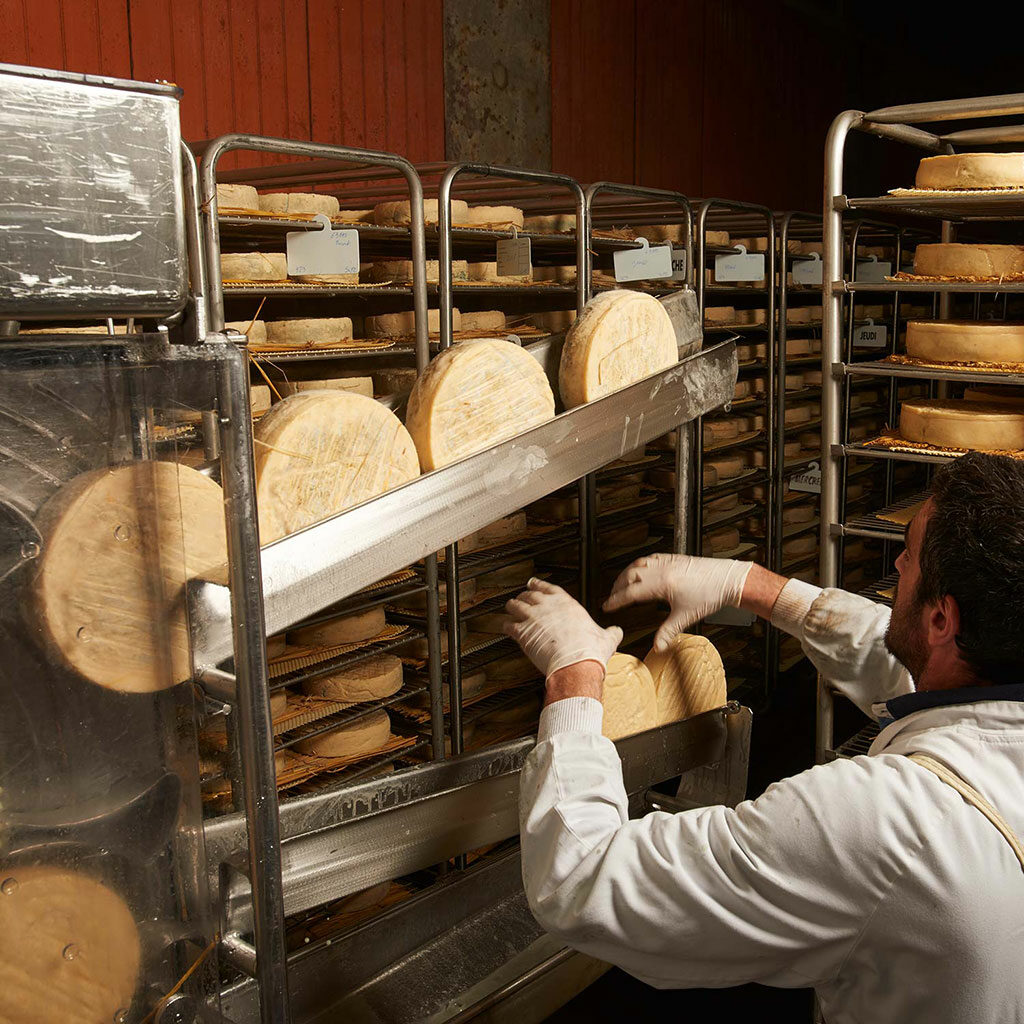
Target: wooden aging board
<point>119,545</point>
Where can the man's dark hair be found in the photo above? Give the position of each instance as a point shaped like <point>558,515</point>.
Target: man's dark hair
<point>973,549</point>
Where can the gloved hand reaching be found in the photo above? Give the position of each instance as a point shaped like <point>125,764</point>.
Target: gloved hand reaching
<point>693,587</point>
<point>555,631</point>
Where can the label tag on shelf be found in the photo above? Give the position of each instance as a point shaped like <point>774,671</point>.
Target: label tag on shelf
<point>645,263</point>
<point>807,271</point>
<point>871,271</point>
<point>514,256</point>
<point>809,480</point>
<point>870,335</point>
<point>742,266</point>
<point>323,252</point>
<point>679,270</point>
<point>731,617</point>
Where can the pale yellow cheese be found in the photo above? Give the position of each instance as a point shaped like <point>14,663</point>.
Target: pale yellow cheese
<point>369,679</point>
<point>689,678</point>
<point>799,546</point>
<point>323,451</point>
<point>621,337</point>
<point>630,700</point>
<point>961,341</point>
<point>255,331</point>
<point>259,399</point>
<point>400,213</point>
<point>798,414</point>
<point>483,272</point>
<point>551,223</point>
<point>348,629</point>
<point>487,320</point>
<point>717,431</point>
<point>496,216</point>
<point>400,325</point>
<point>401,271</point>
<point>958,260</point>
<point>794,514</point>
<point>473,396</point>
<point>719,315</point>
<point>327,278</point>
<point>971,171</point>
<point>253,266</point>
<point>299,202</point>
<point>237,197</point>
<point>717,238</point>
<point>508,576</point>
<point>954,423</point>
<point>752,317</point>
<point>726,466</point>
<point>661,232</point>
<point>308,333</point>
<point>363,736</point>
<point>555,320</point>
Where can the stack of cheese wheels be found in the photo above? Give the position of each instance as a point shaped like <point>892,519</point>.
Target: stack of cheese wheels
<point>971,171</point>
<point>253,266</point>
<point>959,260</point>
<point>237,197</point>
<point>630,700</point>
<point>400,213</point>
<point>621,337</point>
<point>689,678</point>
<point>365,735</point>
<point>473,396</point>
<point>69,948</point>
<point>955,423</point>
<point>348,629</point>
<point>369,679</point>
<point>119,546</point>
<point>961,341</point>
<point>299,202</point>
<point>320,452</point>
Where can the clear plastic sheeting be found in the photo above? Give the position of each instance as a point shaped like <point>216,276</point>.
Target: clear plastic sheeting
<point>91,217</point>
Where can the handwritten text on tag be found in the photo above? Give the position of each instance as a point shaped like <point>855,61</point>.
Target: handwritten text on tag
<point>807,271</point>
<point>513,257</point>
<point>323,252</point>
<point>643,264</point>
<point>745,266</point>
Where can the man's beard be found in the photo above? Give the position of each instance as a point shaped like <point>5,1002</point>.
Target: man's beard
<point>904,639</point>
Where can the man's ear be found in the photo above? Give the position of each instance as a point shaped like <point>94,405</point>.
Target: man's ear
<point>943,621</point>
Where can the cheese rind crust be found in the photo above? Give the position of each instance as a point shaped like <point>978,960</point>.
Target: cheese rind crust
<point>959,341</point>
<point>954,423</point>
<point>956,259</point>
<point>630,700</point>
<point>971,171</point>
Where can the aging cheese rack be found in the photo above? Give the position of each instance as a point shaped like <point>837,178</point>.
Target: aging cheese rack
<point>227,884</point>
<point>951,211</point>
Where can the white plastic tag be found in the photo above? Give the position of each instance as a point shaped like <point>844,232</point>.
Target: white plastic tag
<point>807,271</point>
<point>809,480</point>
<point>643,264</point>
<point>743,266</point>
<point>870,335</point>
<point>323,252</point>
<point>679,270</point>
<point>871,271</point>
<point>514,257</point>
<point>731,617</point>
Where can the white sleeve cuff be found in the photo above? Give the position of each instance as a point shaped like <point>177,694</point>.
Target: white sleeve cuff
<point>793,604</point>
<point>573,714</point>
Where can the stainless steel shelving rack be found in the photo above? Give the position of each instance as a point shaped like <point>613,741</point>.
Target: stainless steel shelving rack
<point>743,220</point>
<point>898,124</point>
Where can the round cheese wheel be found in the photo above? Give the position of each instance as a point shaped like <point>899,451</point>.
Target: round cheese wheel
<point>348,629</point>
<point>474,395</point>
<point>798,514</point>
<point>725,539</point>
<point>69,948</point>
<point>357,385</point>
<point>798,414</point>
<point>960,341</point>
<point>401,271</point>
<point>798,546</point>
<point>954,423</point>
<point>487,320</point>
<point>798,347</point>
<point>726,466</point>
<point>299,202</point>
<point>365,735</point>
<point>956,259</point>
<point>118,547</point>
<point>237,197</point>
<point>630,701</point>
<point>324,451</point>
<point>797,315</point>
<point>719,315</point>
<point>400,212</point>
<point>625,537</point>
<point>794,381</point>
<point>743,389</point>
<point>278,703</point>
<point>327,278</point>
<point>508,576</point>
<point>716,237</point>
<point>489,272</point>
<point>369,679</point>
<point>309,332</point>
<point>621,337</point>
<point>516,669</point>
<point>752,317</point>
<point>253,266</point>
<point>689,678</point>
<point>502,530</point>
<point>400,325</point>
<point>498,216</point>
<point>721,430</point>
<point>255,331</point>
<point>666,478</point>
<point>971,171</point>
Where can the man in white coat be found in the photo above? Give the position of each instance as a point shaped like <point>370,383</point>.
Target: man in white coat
<point>891,885</point>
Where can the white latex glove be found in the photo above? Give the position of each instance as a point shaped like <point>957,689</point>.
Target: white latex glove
<point>555,631</point>
<point>693,587</point>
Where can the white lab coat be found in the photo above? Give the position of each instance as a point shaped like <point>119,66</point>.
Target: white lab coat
<point>868,879</point>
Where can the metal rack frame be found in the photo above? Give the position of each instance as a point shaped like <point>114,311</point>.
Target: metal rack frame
<point>898,124</point>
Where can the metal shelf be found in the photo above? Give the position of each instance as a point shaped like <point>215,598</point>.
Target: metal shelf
<point>881,368</point>
<point>866,452</point>
<point>852,287</point>
<point>875,528</point>
<point>872,593</point>
<point>859,743</point>
<point>941,206</point>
